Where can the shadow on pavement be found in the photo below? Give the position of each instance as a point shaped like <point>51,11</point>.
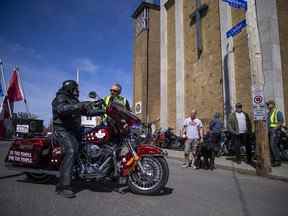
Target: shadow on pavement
<point>166,191</point>
<point>95,186</point>
<point>233,159</point>
<point>241,196</point>
<point>10,176</point>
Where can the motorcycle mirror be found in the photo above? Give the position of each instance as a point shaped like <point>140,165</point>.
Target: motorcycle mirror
<point>93,95</point>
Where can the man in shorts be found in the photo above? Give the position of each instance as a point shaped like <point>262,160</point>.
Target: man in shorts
<point>193,130</point>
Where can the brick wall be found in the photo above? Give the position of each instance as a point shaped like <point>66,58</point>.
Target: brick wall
<point>171,66</point>
<point>203,77</point>
<point>140,69</point>
<point>154,67</point>
<point>242,64</point>
<point>147,54</point>
<point>282,8</point>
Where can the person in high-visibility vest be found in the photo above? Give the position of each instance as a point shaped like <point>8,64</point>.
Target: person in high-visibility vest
<point>275,122</point>
<point>115,96</point>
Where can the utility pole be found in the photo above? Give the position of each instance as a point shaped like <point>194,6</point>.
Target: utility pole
<point>263,166</point>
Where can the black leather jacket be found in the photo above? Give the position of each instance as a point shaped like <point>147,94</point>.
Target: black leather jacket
<point>66,111</point>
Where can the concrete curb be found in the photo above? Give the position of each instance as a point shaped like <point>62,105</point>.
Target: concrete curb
<point>240,170</point>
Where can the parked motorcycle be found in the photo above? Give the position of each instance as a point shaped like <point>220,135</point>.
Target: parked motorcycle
<point>165,138</point>
<point>226,145</point>
<point>111,150</point>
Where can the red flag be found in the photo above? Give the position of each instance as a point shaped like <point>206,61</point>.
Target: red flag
<point>5,112</point>
<point>14,92</point>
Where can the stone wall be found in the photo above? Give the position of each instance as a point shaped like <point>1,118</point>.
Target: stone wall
<point>147,56</point>
<point>140,71</point>
<point>154,67</point>
<point>242,64</point>
<point>171,66</point>
<point>203,77</point>
<point>282,9</point>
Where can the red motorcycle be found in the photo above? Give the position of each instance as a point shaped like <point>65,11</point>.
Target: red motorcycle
<point>109,151</point>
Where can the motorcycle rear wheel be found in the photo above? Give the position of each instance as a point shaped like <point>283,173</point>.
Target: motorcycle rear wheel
<point>39,178</point>
<point>153,180</point>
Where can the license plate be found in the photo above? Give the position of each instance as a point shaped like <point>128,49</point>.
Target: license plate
<point>20,156</point>
<point>22,128</point>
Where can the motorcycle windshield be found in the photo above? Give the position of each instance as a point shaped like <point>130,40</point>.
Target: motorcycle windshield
<point>118,112</point>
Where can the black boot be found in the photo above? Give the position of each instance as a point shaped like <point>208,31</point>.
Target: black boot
<point>212,165</point>
<point>65,192</point>
<point>276,163</point>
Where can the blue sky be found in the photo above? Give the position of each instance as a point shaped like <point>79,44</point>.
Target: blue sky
<point>48,39</point>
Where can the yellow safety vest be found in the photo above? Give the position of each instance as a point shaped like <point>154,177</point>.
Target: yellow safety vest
<point>273,119</point>
<point>118,99</point>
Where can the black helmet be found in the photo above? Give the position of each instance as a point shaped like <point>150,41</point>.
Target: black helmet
<point>92,94</point>
<point>71,87</point>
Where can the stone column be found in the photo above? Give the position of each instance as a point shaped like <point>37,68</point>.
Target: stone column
<point>180,71</point>
<point>267,19</point>
<point>163,61</point>
<point>228,60</point>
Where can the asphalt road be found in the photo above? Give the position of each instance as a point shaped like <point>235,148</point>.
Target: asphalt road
<point>189,192</point>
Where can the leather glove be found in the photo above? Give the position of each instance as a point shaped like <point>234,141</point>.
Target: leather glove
<point>93,109</point>
<point>83,106</point>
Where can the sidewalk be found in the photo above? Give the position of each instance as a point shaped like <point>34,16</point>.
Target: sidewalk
<point>279,173</point>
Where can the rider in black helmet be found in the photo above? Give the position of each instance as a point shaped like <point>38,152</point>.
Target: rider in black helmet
<point>67,111</point>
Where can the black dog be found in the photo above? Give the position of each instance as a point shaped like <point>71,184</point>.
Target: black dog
<point>205,154</point>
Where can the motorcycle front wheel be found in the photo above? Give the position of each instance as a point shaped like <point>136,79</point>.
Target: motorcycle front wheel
<point>154,178</point>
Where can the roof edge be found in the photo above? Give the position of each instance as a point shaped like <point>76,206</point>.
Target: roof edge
<point>144,5</point>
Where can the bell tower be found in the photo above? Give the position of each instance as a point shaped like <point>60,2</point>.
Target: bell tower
<point>146,62</point>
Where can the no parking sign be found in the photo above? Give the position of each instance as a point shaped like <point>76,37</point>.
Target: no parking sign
<point>259,109</point>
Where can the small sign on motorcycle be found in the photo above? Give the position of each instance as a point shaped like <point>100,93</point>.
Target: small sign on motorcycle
<point>259,109</point>
<point>22,129</point>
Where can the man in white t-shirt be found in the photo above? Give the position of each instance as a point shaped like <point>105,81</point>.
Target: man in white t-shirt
<point>193,130</point>
<point>239,125</point>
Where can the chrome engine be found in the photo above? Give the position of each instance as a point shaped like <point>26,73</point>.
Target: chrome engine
<point>96,161</point>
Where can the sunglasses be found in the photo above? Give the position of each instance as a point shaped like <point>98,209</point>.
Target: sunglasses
<point>114,90</point>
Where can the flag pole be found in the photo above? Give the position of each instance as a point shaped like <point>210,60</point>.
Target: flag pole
<point>21,87</point>
<point>5,88</point>
<point>77,75</point>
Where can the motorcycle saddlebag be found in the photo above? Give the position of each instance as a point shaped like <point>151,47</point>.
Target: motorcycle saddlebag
<point>28,152</point>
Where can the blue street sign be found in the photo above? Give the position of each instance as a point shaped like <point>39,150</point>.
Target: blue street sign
<point>1,90</point>
<point>236,29</point>
<point>237,3</point>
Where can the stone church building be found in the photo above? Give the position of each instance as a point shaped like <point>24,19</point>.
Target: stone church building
<point>183,59</point>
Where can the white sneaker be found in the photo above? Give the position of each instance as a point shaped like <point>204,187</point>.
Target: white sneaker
<point>185,165</point>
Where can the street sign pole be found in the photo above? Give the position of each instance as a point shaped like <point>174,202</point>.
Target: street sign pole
<point>263,166</point>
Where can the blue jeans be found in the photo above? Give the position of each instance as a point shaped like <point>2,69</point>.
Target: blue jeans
<point>274,141</point>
